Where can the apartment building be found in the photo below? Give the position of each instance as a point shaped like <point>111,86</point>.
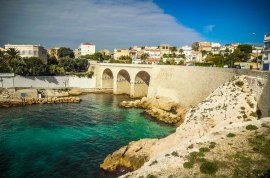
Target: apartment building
<point>153,53</point>
<point>87,48</point>
<point>164,49</point>
<point>30,51</point>
<point>266,53</point>
<point>117,53</point>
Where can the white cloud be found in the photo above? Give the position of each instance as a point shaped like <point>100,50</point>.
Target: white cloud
<point>209,28</point>
<point>109,24</point>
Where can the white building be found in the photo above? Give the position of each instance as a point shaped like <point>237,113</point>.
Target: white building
<point>30,51</point>
<point>153,54</point>
<point>266,55</point>
<point>86,48</point>
<point>187,52</point>
<point>215,48</point>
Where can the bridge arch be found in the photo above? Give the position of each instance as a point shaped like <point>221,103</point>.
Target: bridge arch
<point>141,84</point>
<point>107,78</point>
<point>123,82</point>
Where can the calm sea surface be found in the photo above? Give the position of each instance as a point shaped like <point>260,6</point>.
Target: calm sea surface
<point>69,140</point>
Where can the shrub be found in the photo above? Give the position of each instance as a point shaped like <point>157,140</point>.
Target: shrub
<point>231,135</point>
<point>250,104</point>
<point>190,146</point>
<point>251,127</point>
<point>193,156</point>
<point>208,167</point>
<point>151,176</point>
<point>175,154</point>
<point>244,116</point>
<point>239,83</point>
<point>188,165</point>
<point>204,149</point>
<point>154,162</point>
<point>212,145</point>
<point>254,114</point>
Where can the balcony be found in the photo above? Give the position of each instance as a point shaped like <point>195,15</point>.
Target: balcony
<point>267,38</point>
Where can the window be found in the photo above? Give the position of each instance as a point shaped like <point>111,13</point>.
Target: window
<point>30,52</point>
<point>267,45</point>
<point>35,53</point>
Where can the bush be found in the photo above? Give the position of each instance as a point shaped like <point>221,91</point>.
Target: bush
<point>212,145</point>
<point>208,167</point>
<point>154,162</point>
<point>250,104</point>
<point>251,127</point>
<point>175,154</point>
<point>230,135</point>
<point>239,83</point>
<point>188,165</point>
<point>254,114</point>
<point>151,176</point>
<point>204,149</point>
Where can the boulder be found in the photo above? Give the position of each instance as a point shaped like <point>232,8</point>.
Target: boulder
<point>131,157</point>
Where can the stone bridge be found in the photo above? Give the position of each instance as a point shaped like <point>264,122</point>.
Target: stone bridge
<point>128,79</point>
<point>187,85</point>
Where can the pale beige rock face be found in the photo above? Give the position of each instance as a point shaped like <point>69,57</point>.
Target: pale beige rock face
<point>132,156</point>
<point>161,108</point>
<point>229,108</point>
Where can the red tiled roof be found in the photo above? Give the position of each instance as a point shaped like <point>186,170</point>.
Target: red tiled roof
<point>88,44</point>
<point>153,60</point>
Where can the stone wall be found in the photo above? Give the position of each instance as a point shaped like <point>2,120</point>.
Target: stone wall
<point>47,82</point>
<point>191,85</point>
<point>187,85</point>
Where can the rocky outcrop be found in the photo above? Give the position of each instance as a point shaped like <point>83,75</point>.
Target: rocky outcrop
<point>228,109</point>
<point>131,157</point>
<point>30,101</point>
<point>160,108</point>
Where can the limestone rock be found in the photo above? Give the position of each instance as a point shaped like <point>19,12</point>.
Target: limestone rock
<point>161,108</point>
<point>132,156</point>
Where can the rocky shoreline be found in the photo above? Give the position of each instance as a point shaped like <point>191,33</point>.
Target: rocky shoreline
<point>161,108</point>
<point>31,101</point>
<point>231,108</point>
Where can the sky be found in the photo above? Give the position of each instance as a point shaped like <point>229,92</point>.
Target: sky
<point>123,23</point>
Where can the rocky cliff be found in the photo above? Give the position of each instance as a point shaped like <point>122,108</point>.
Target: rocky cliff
<point>227,112</point>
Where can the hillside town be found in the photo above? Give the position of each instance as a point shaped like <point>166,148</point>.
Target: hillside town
<point>234,55</point>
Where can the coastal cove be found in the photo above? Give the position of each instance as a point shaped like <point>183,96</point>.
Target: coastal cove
<point>69,140</point>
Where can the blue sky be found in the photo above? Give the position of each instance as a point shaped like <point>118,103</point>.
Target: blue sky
<point>224,21</point>
<point>122,23</point>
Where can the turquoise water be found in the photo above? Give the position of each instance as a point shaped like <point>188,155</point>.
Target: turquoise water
<point>69,140</point>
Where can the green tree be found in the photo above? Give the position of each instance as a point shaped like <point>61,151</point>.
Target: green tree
<point>144,56</point>
<point>52,60</point>
<point>56,70</point>
<point>68,64</point>
<point>204,52</point>
<point>170,62</point>
<point>35,67</point>
<point>4,65</point>
<point>13,53</point>
<point>125,58</point>
<point>195,46</point>
<point>247,50</point>
<point>81,65</point>
<point>173,49</point>
<point>65,52</point>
